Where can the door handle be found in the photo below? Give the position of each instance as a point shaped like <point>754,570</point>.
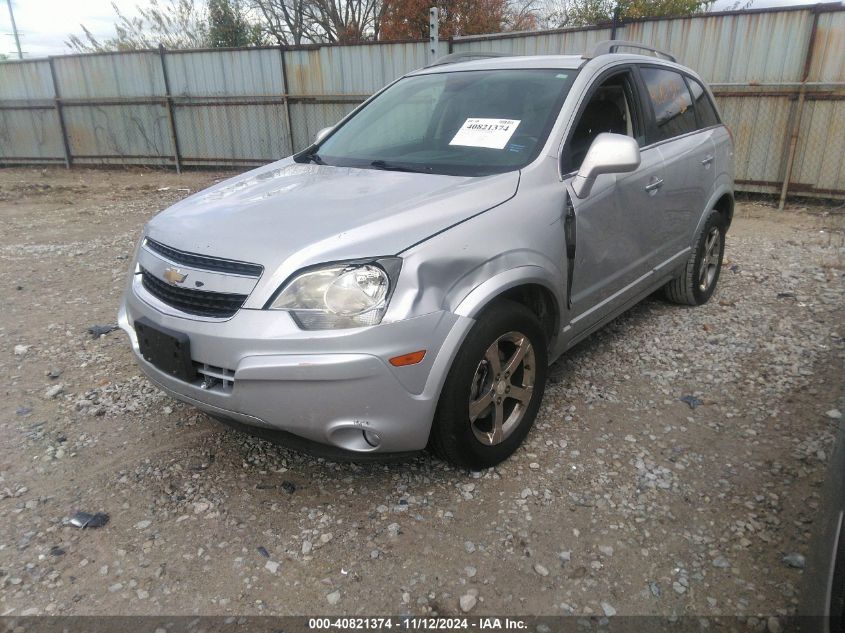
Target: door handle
<point>654,185</point>
<point>707,160</point>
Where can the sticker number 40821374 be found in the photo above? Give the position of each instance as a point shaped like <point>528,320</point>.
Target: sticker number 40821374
<point>492,133</point>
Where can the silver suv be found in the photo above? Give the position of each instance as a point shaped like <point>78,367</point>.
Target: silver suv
<point>407,280</point>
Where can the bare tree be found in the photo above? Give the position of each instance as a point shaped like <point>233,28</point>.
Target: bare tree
<point>302,21</point>
<point>345,20</point>
<point>523,15</point>
<point>284,21</point>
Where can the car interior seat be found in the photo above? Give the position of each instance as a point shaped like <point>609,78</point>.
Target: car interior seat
<point>599,116</point>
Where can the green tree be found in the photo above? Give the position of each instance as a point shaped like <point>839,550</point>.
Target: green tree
<point>228,25</point>
<point>630,9</point>
<point>587,12</point>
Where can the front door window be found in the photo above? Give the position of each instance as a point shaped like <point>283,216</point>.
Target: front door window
<point>611,108</point>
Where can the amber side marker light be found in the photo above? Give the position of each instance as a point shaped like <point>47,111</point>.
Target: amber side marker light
<point>408,359</point>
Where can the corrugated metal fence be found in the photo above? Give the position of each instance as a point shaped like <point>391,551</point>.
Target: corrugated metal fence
<point>779,77</point>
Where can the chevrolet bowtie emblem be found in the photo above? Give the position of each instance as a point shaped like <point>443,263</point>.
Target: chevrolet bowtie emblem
<point>173,276</point>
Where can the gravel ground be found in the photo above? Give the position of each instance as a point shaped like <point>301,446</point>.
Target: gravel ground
<point>623,500</point>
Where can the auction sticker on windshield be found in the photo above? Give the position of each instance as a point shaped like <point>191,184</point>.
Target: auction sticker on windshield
<point>492,133</point>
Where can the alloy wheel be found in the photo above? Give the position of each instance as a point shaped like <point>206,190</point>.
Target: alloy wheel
<point>710,259</point>
<point>501,388</point>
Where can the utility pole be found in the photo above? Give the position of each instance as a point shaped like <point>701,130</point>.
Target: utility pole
<point>15,29</point>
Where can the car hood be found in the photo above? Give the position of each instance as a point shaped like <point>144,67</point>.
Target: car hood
<point>295,215</point>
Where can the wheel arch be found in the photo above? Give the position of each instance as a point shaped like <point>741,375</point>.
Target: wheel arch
<point>722,200</point>
<point>526,285</point>
<point>725,206</point>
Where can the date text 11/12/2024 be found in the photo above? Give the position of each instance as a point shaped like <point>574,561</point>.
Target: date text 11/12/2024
<point>408,623</point>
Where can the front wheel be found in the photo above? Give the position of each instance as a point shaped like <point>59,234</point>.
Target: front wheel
<point>493,390</point>
<point>697,281</point>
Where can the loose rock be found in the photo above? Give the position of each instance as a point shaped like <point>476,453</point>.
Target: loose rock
<point>608,609</point>
<point>54,391</point>
<point>794,560</point>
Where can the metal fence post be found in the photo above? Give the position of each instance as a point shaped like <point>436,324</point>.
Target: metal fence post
<point>60,115</point>
<point>168,99</point>
<point>793,144</point>
<point>433,33</point>
<point>285,97</point>
<point>799,111</point>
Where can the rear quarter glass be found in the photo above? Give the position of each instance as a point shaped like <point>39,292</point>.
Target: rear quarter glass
<point>704,108</point>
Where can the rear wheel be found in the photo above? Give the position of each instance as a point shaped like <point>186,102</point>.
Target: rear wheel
<point>697,282</point>
<point>493,390</point>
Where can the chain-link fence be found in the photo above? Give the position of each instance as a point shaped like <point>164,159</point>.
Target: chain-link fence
<point>777,74</point>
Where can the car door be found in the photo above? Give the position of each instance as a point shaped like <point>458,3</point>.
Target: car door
<point>718,160</point>
<point>615,223</point>
<point>688,154</point>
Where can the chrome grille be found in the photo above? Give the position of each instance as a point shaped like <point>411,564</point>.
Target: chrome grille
<point>190,301</point>
<point>203,261</point>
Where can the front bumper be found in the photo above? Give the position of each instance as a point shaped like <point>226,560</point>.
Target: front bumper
<point>325,386</point>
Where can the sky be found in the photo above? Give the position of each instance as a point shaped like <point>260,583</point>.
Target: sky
<point>45,24</point>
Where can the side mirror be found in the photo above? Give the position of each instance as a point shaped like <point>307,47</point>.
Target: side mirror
<point>608,154</point>
<point>323,133</point>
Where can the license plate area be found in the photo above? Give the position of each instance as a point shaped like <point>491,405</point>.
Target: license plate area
<point>165,349</point>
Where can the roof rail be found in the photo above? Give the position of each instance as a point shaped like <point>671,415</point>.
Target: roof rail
<point>609,46</point>
<point>455,58</point>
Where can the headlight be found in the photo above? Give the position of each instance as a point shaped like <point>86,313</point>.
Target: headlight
<point>340,295</point>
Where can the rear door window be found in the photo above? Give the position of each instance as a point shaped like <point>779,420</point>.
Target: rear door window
<point>704,108</point>
<point>671,101</point>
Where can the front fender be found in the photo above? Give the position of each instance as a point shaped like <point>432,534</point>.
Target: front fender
<point>466,266</point>
<point>481,296</point>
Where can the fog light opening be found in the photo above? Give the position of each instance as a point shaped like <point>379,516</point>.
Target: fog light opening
<point>372,438</point>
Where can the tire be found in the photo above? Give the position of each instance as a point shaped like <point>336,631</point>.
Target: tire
<point>694,286</point>
<point>505,327</point>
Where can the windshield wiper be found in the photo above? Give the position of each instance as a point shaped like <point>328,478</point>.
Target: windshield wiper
<point>386,166</point>
<point>310,157</point>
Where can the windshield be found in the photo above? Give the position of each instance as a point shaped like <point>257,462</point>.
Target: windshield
<point>470,123</point>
